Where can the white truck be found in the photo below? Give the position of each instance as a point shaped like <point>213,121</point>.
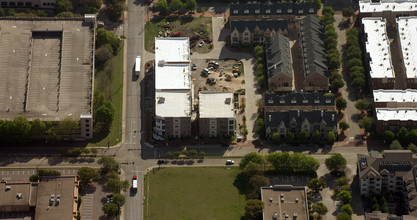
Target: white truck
<point>137,66</point>
<point>135,183</point>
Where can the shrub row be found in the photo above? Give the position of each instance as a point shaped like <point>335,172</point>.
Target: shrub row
<point>260,67</point>
<point>354,59</point>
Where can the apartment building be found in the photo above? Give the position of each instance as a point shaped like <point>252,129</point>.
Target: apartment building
<point>378,54</point>
<point>303,101</point>
<point>394,118</point>
<point>395,98</point>
<point>172,88</point>
<point>387,9</point>
<point>393,174</point>
<point>279,64</point>
<point>255,32</point>
<point>407,36</point>
<point>295,120</point>
<point>316,75</point>
<point>216,114</point>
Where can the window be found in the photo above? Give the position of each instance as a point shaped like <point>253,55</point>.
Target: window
<point>88,135</point>
<point>87,130</point>
<point>286,84</point>
<point>3,3</point>
<point>268,11</point>
<point>20,4</point>
<point>13,3</point>
<point>282,101</point>
<point>246,11</point>
<point>87,125</point>
<point>257,11</point>
<point>289,10</point>
<point>235,11</point>
<point>328,101</point>
<point>316,101</point>
<point>87,120</point>
<point>311,10</point>
<point>300,11</point>
<point>305,101</point>
<point>293,101</point>
<point>311,83</point>
<point>278,11</point>
<point>231,127</point>
<point>246,33</point>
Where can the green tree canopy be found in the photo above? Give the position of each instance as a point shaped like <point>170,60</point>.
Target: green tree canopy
<point>316,137</point>
<point>316,184</point>
<point>389,136</point>
<point>108,37</point>
<point>365,123</point>
<point>253,209</point>
<point>331,137</point>
<point>108,164</point>
<point>257,181</point>
<point>343,216</point>
<point>110,209</point>
<point>20,127</point>
<point>251,157</point>
<point>340,104</point>
<point>348,12</point>
<point>319,208</point>
<point>336,162</point>
<point>395,145</point>
<point>88,175</point>
<point>303,136</point>
<point>63,6</point>
<point>358,83</point>
<point>37,129</point>
<point>119,199</point>
<point>190,5</point>
<point>336,85</point>
<point>175,5</point>
<point>68,127</point>
<point>345,196</point>
<point>162,6</point>
<point>362,105</point>
<point>290,137</point>
<point>343,125</point>
<point>276,137</point>
<point>347,208</point>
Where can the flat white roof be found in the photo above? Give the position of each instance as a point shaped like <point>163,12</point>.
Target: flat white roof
<point>172,63</point>
<point>396,114</point>
<point>391,5</point>
<point>173,104</point>
<point>409,95</point>
<point>216,105</point>
<point>377,45</point>
<point>407,29</point>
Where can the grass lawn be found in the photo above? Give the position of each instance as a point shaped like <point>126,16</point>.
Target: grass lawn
<point>193,193</point>
<point>186,25</point>
<point>110,81</point>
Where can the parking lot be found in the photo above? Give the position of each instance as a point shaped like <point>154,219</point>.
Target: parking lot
<point>14,175</point>
<point>218,75</point>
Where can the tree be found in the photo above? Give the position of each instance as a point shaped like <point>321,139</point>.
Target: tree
<point>345,196</point>
<point>251,157</point>
<point>365,123</point>
<point>20,127</point>
<point>108,164</point>
<point>94,151</point>
<point>202,154</point>
<point>261,80</point>
<point>389,136</point>
<point>37,129</point>
<point>402,134</point>
<point>192,152</point>
<point>276,137</point>
<point>395,145</point>
<point>303,136</point>
<point>354,52</point>
<point>354,62</point>
<point>344,126</point>
<point>190,5</point>
<point>334,62</point>
<point>162,6</point>
<point>348,12</point>
<point>347,209</point>
<point>336,162</point>
<point>411,137</point>
<point>105,37</point>
<point>316,184</point>
<point>103,54</point>
<point>319,208</point>
<point>362,105</point>
<point>340,104</point>
<point>103,117</point>
<point>110,209</point>
<point>316,137</point>
<point>119,199</point>
<point>331,137</point>
<point>175,5</point>
<point>88,175</point>
<point>257,181</point>
<point>2,12</point>
<point>63,6</point>
<point>68,126</point>
<point>358,83</point>
<point>318,4</point>
<point>336,85</point>
<point>328,11</point>
<point>343,216</point>
<point>253,169</point>
<point>260,127</point>
<point>114,11</point>
<point>34,178</point>
<point>114,184</point>
<point>92,3</point>
<point>412,147</point>
<point>66,14</point>
<point>253,209</point>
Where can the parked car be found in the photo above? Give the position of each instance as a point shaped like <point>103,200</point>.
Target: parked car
<point>194,38</point>
<point>201,44</point>
<point>194,67</point>
<point>176,34</point>
<point>230,162</point>
<point>213,63</point>
<point>109,198</point>
<point>205,72</point>
<point>211,81</point>
<point>207,40</point>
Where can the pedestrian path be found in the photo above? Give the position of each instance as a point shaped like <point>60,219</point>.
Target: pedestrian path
<point>87,207</point>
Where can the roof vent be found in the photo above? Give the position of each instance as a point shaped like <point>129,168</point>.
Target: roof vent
<point>8,188</point>
<point>270,199</point>
<point>296,200</point>
<point>275,216</point>
<point>282,199</point>
<point>228,100</point>
<point>161,100</point>
<point>19,196</point>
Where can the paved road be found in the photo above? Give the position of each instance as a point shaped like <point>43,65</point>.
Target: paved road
<point>347,91</point>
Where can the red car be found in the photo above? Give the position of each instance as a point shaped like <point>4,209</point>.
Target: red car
<point>194,37</point>
<point>207,40</point>
<point>176,34</point>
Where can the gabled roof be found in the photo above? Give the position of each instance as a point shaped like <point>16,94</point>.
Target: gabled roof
<point>262,9</point>
<point>278,55</point>
<point>313,48</point>
<point>275,25</point>
<point>298,99</point>
<point>274,119</point>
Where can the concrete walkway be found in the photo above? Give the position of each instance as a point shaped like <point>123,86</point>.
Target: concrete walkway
<point>87,207</point>
<point>348,94</point>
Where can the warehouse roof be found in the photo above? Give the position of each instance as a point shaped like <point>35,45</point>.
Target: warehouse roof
<point>377,45</point>
<point>216,105</point>
<point>407,29</point>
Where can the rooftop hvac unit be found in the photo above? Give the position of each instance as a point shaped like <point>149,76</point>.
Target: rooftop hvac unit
<point>8,188</point>
<point>161,63</point>
<point>228,100</point>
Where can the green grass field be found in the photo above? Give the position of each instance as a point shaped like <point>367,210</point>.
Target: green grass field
<point>186,25</point>
<point>193,193</point>
<point>110,81</point>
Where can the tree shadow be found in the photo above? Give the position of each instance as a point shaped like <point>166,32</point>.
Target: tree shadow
<point>241,183</point>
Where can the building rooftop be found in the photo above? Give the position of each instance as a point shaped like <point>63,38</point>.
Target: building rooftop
<point>274,119</point>
<point>278,54</point>
<point>298,99</point>
<point>63,187</point>
<point>173,103</point>
<point>377,45</point>
<point>17,194</point>
<point>313,48</point>
<point>264,9</point>
<point>216,105</point>
<point>284,202</point>
<point>381,95</point>
<point>172,63</point>
<point>396,114</point>
<point>271,25</point>
<point>387,5</point>
<point>407,27</point>
<point>46,68</point>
